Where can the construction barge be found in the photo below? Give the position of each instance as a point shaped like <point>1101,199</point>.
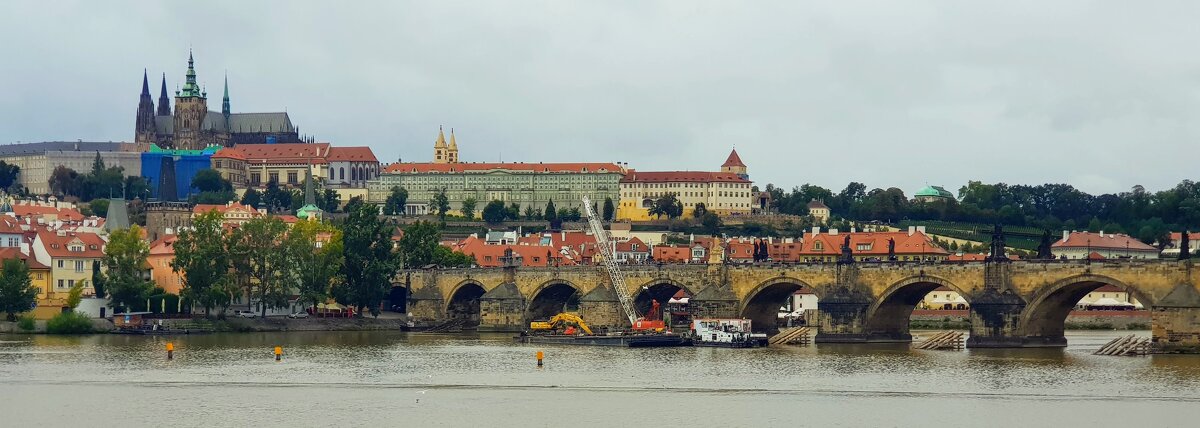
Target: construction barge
<point>623,340</point>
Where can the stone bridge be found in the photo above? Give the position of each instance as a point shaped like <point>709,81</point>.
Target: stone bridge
<point>1013,304</point>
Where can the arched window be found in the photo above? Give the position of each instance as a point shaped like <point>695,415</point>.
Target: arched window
<point>341,173</point>
<point>353,174</point>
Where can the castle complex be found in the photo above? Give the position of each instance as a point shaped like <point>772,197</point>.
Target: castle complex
<point>192,126</point>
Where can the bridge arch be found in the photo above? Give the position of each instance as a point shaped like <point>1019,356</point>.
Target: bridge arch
<point>761,305</point>
<point>891,312</point>
<point>661,290</point>
<point>398,298</point>
<point>552,297</point>
<point>463,303</point>
<point>1046,314</point>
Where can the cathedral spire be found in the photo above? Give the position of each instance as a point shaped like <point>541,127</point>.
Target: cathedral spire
<point>164,103</point>
<point>441,141</point>
<point>190,88</point>
<point>145,111</point>
<point>225,103</point>
<point>145,84</point>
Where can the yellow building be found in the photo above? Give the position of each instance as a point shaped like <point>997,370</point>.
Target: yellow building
<point>49,303</point>
<point>70,256</point>
<point>725,193</point>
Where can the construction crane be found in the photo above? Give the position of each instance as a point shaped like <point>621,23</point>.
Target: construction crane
<point>610,263</point>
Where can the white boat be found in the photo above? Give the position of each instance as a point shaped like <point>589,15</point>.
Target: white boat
<point>726,333</point>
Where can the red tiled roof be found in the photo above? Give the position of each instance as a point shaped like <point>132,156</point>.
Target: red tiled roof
<point>351,154</point>
<point>1109,288</point>
<point>232,206</point>
<point>672,253</point>
<point>1111,241</point>
<point>409,168</point>
<point>63,214</point>
<point>9,225</point>
<point>57,246</point>
<point>1192,236</point>
<point>681,176</point>
<point>164,246</point>
<point>489,255</point>
<point>230,153</point>
<point>733,160</point>
<point>918,243</point>
<point>15,253</point>
<point>280,153</point>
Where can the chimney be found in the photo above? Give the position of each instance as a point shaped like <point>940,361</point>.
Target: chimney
<point>921,229</point>
<point>1066,235</point>
<point>833,232</point>
<point>911,230</point>
<point>816,230</point>
<point>1101,233</point>
<point>853,229</point>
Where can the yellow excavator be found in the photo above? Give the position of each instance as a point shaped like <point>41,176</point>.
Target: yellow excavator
<point>567,323</point>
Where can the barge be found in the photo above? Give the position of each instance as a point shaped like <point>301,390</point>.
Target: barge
<point>625,340</point>
<point>726,333</point>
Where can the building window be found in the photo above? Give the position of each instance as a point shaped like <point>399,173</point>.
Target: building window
<point>60,283</point>
<point>60,264</point>
<point>255,178</point>
<point>273,177</point>
<point>79,266</point>
<point>291,176</point>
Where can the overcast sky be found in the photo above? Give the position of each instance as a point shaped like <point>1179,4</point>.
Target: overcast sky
<point>1099,94</point>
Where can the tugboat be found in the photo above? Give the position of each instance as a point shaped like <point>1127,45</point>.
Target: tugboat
<point>726,333</point>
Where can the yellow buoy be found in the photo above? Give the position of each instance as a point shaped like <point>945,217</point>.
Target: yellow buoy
<point>278,353</point>
<point>539,358</point>
<point>170,350</point>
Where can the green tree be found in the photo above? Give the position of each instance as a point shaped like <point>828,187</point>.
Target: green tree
<point>65,181</point>
<point>513,212</point>
<point>711,223</point>
<point>421,246</point>
<point>203,262</point>
<point>666,205</point>
<point>550,213</point>
<point>700,210</point>
<point>8,175</point>
<point>328,200</point>
<point>317,251</point>
<point>98,281</point>
<point>136,187</point>
<point>468,208</point>
<point>574,214</point>
<point>99,207</point>
<point>17,293</point>
<point>531,213</point>
<point>124,258</point>
<point>209,180</point>
<point>252,198</point>
<point>494,212</point>
<point>271,270</point>
<point>441,204</point>
<point>369,261</point>
<point>75,295</point>
<point>610,210</point>
<point>394,205</point>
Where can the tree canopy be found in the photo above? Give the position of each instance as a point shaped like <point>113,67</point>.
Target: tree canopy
<point>17,293</point>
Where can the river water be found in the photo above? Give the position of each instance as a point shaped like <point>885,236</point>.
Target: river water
<point>401,379</point>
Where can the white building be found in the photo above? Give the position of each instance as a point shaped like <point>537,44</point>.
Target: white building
<point>1083,245</point>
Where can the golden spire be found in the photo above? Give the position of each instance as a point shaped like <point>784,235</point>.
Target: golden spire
<point>453,144</point>
<point>441,141</point>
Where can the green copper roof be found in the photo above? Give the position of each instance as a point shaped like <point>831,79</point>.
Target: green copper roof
<point>305,211</point>
<point>190,88</point>
<point>934,191</point>
<point>211,149</point>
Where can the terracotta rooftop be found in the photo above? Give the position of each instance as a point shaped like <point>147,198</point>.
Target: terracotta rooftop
<point>733,160</point>
<point>15,253</point>
<point>681,176</point>
<point>425,168</point>
<point>164,246</point>
<point>59,246</point>
<point>62,214</point>
<point>351,154</point>
<point>876,243</point>
<point>10,225</point>
<point>290,153</point>
<point>1110,241</point>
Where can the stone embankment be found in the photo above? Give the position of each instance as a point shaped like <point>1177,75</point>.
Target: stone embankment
<point>1077,320</point>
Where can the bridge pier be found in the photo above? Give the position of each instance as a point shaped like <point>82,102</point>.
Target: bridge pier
<point>843,318</point>
<point>995,317</point>
<point>1175,321</point>
<point>502,309</point>
<point>601,308</point>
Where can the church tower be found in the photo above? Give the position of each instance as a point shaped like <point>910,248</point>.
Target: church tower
<point>225,104</point>
<point>452,151</point>
<point>191,105</point>
<point>440,154</point>
<point>164,103</point>
<point>144,128</point>
<point>734,165</point>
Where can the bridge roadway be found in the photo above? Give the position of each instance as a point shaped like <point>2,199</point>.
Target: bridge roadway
<point>1013,304</point>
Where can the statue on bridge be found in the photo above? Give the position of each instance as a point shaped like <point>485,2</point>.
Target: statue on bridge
<point>997,248</point>
<point>891,250</point>
<point>1185,246</point>
<point>847,254</point>
<point>1043,251</point>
